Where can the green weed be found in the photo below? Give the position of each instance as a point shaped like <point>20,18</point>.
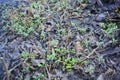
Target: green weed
<point>24,55</point>
<point>69,63</point>
<point>90,69</point>
<point>109,29</point>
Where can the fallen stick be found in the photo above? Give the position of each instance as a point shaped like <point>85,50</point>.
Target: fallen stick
<point>8,72</point>
<point>6,68</point>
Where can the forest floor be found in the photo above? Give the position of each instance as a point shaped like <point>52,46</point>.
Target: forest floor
<point>59,40</point>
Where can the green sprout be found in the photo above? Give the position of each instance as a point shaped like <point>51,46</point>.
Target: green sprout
<point>24,55</point>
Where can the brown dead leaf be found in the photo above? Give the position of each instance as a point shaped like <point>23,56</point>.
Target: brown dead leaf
<point>109,71</point>
<point>78,48</point>
<point>78,67</point>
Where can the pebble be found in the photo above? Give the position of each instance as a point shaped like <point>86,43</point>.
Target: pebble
<point>100,17</point>
<point>92,1</point>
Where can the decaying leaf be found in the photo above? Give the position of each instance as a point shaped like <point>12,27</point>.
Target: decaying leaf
<point>78,48</point>
<point>109,71</point>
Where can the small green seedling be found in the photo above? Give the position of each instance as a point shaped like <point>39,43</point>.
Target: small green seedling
<point>24,55</point>
<point>90,69</point>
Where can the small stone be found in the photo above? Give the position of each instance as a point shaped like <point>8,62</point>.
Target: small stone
<point>101,77</point>
<point>92,1</point>
<point>100,17</point>
<point>86,20</point>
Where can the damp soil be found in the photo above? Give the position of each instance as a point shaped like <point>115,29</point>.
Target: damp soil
<point>12,45</point>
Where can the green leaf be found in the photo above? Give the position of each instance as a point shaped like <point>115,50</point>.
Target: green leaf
<point>40,65</point>
<point>24,55</point>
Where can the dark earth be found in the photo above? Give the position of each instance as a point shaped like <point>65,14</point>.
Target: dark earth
<point>11,44</point>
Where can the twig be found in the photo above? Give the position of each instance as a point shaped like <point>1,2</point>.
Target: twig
<point>99,3</point>
<point>14,67</point>
<point>88,56</point>
<point>36,48</point>
<point>6,68</point>
<point>3,35</point>
<point>48,43</point>
<point>49,77</point>
<point>25,62</point>
<point>8,72</point>
<point>93,51</point>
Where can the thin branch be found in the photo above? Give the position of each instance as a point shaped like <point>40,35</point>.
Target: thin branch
<point>49,77</point>
<point>93,51</point>
<point>41,53</point>
<point>14,67</point>
<point>48,43</point>
<point>6,68</point>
